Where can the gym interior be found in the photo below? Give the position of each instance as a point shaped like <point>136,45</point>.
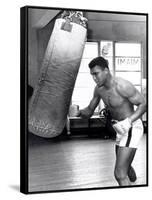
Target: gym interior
<point>82,156</point>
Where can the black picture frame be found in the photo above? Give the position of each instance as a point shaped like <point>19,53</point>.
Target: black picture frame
<point>26,92</point>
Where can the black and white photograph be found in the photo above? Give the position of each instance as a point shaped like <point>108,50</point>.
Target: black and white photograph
<point>84,89</point>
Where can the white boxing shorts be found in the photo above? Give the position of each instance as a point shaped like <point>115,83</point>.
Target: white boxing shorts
<point>132,138</point>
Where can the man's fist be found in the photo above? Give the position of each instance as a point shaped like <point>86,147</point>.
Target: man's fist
<point>74,111</point>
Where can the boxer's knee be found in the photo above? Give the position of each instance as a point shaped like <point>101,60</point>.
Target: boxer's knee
<point>120,173</point>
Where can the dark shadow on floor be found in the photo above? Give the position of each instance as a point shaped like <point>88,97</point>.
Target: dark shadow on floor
<point>15,187</point>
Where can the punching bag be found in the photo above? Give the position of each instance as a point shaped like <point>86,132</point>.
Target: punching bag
<point>51,99</point>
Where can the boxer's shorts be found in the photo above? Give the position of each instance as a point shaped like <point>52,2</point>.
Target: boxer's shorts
<point>132,138</point>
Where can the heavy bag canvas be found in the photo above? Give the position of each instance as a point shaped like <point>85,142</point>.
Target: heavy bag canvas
<point>52,95</point>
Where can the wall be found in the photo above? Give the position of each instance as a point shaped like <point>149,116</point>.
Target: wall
<point>101,26</point>
<point>119,28</point>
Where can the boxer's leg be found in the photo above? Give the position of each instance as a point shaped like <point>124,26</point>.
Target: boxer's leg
<point>127,145</point>
<point>131,172</point>
<point>124,158</point>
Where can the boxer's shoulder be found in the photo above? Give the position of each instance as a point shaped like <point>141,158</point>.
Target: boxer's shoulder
<point>124,87</point>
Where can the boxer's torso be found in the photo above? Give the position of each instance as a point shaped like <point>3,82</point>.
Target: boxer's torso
<point>119,106</point>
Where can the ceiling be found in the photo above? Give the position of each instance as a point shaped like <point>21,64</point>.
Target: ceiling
<point>41,17</point>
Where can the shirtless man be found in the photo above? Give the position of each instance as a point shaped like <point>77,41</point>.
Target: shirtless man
<point>119,96</point>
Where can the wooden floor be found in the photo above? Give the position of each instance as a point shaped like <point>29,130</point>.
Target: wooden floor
<point>77,163</point>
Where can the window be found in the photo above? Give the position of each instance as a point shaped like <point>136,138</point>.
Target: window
<point>128,62</point>
<point>84,85</point>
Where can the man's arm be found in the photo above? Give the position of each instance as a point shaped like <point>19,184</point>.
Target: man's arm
<point>89,110</point>
<point>127,90</point>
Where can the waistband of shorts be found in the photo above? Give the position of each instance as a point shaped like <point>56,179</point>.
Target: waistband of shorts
<point>138,121</point>
<point>113,121</point>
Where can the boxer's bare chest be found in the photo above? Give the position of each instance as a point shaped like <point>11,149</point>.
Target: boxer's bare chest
<point>111,97</point>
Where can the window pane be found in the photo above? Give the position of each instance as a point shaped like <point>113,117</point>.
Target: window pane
<point>133,77</point>
<point>85,94</point>
<point>128,49</point>
<point>81,104</point>
<point>101,105</point>
<point>84,80</point>
<point>84,86</point>
<point>84,65</point>
<point>90,50</point>
<point>128,64</point>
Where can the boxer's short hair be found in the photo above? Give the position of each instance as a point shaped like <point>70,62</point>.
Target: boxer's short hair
<point>100,61</point>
